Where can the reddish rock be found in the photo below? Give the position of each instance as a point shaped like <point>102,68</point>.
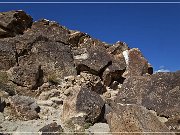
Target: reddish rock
<point>137,65</point>
<point>134,119</point>
<point>159,92</point>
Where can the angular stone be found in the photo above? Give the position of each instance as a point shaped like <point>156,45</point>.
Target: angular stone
<point>13,23</point>
<point>159,92</point>
<point>30,76</point>
<point>51,129</point>
<point>85,105</point>
<point>24,107</point>
<point>137,65</point>
<point>134,119</point>
<point>91,56</point>
<point>115,70</point>
<point>49,29</point>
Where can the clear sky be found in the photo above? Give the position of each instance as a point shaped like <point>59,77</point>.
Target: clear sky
<point>153,28</point>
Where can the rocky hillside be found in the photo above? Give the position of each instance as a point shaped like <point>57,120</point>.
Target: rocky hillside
<point>57,80</point>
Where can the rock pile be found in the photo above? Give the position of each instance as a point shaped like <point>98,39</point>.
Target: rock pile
<point>55,80</point>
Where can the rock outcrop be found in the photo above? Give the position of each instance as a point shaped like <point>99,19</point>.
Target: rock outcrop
<point>54,80</point>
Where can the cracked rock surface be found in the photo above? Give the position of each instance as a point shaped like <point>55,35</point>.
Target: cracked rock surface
<point>55,81</point>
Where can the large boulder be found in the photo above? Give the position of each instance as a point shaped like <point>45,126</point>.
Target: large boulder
<point>13,23</point>
<point>84,106</point>
<point>159,92</point>
<point>24,108</point>
<point>91,56</point>
<point>134,119</point>
<point>47,61</point>
<point>137,65</point>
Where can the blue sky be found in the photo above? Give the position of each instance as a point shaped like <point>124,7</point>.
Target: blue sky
<point>153,28</point>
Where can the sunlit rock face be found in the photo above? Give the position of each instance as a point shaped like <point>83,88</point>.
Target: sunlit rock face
<point>57,80</point>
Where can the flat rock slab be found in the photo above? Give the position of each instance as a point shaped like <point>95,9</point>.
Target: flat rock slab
<point>134,119</point>
<point>159,92</point>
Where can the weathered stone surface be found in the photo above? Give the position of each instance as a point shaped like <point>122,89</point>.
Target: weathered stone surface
<point>49,29</point>
<point>159,92</point>
<point>91,56</point>
<point>85,106</point>
<point>13,23</point>
<point>30,76</point>
<point>7,54</point>
<point>24,107</point>
<point>51,129</point>
<point>137,65</point>
<point>50,60</point>
<point>134,119</point>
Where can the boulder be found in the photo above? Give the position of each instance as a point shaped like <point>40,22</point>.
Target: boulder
<point>84,106</point>
<point>114,71</point>
<point>51,129</point>
<point>91,56</point>
<point>137,65</point>
<point>134,119</point>
<point>30,76</point>
<point>47,62</point>
<point>50,30</point>
<point>13,23</point>
<point>159,92</point>
<point>24,108</point>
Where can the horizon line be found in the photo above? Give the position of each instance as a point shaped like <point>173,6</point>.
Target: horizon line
<point>78,2</point>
